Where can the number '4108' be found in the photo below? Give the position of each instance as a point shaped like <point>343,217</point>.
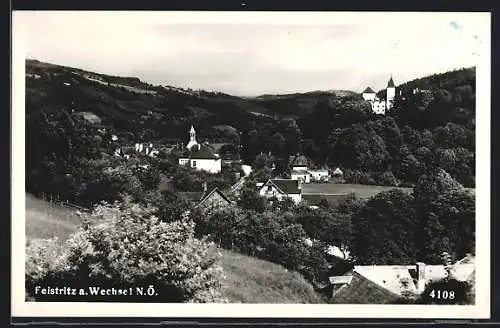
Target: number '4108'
<point>442,294</point>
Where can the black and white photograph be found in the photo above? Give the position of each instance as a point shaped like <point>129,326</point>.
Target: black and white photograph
<point>328,164</point>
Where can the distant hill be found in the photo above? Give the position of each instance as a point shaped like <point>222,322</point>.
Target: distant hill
<point>129,105</point>
<point>448,80</point>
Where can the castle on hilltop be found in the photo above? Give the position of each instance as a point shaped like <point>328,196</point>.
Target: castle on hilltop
<point>380,105</point>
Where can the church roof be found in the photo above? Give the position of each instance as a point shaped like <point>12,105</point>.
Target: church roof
<point>390,84</point>
<point>202,153</point>
<point>368,90</point>
<point>192,129</point>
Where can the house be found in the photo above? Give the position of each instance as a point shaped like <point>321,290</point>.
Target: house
<point>382,284</point>
<point>319,175</point>
<point>338,175</point>
<point>299,168</point>
<point>214,200</point>
<point>280,189</point>
<point>204,200</point>
<point>369,94</point>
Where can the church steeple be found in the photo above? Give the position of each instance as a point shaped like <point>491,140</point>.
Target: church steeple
<point>192,138</point>
<point>390,84</point>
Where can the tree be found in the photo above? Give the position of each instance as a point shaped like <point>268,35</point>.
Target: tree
<point>127,246</point>
<point>389,220</point>
<point>251,200</point>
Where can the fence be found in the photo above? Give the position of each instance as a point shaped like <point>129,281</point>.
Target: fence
<point>54,200</point>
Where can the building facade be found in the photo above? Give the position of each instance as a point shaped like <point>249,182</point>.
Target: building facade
<point>281,189</point>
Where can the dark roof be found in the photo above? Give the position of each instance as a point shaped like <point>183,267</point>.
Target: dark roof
<point>362,291</point>
<point>215,190</point>
<point>287,186</point>
<point>390,84</point>
<point>193,196</point>
<point>368,90</point>
<point>298,160</point>
<point>202,153</point>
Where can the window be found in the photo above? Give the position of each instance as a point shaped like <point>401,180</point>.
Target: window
<point>269,188</point>
<point>193,163</point>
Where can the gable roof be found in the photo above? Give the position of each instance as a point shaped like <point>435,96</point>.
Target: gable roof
<point>361,290</point>
<point>390,84</point>
<point>298,160</point>
<point>214,191</point>
<point>285,186</point>
<point>368,90</point>
<point>390,277</point>
<point>338,171</point>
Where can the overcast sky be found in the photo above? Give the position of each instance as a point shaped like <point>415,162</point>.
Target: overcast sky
<point>255,53</point>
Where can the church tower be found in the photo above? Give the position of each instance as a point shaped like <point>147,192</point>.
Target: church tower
<point>192,138</point>
<point>391,93</point>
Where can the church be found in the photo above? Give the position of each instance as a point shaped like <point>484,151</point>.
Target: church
<point>379,106</point>
<point>200,157</point>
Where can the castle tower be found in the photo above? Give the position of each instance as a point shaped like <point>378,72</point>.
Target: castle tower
<point>391,93</point>
<point>192,138</point>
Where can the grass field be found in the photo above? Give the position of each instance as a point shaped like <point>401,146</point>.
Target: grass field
<point>363,191</point>
<point>249,280</point>
<point>45,220</point>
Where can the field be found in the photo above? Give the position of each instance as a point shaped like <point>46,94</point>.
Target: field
<point>363,191</point>
<point>249,280</point>
<point>45,220</point>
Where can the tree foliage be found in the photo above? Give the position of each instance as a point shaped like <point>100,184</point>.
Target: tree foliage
<point>127,246</point>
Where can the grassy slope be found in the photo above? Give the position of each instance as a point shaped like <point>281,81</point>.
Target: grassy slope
<point>249,280</point>
<point>44,220</point>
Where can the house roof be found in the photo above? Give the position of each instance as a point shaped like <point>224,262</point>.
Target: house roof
<point>390,84</point>
<point>286,186</point>
<point>214,191</point>
<point>385,281</point>
<point>368,90</point>
<point>338,171</point>
<point>298,160</point>
<point>390,277</point>
<point>361,290</point>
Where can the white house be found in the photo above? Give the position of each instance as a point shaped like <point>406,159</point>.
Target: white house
<point>299,169</point>
<point>319,175</point>
<point>369,94</point>
<point>281,188</point>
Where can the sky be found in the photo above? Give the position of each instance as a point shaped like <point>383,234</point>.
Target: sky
<point>253,53</point>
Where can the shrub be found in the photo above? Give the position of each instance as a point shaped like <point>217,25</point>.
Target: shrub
<point>126,247</point>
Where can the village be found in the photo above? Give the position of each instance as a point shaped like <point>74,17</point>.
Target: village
<point>364,284</point>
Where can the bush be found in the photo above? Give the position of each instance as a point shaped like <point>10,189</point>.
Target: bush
<point>126,247</point>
